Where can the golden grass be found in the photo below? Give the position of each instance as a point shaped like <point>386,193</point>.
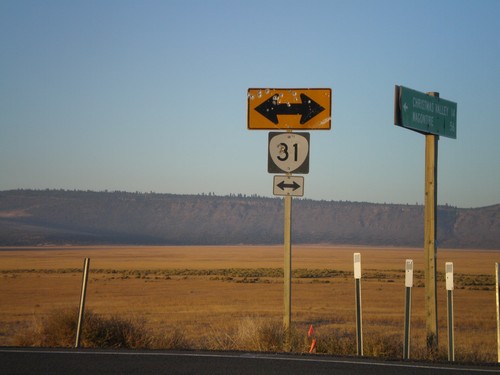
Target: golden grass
<point>142,283</point>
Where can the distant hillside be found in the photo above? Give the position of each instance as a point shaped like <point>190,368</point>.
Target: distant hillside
<point>40,217</point>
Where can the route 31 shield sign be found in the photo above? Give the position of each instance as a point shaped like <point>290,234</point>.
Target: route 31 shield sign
<point>288,153</point>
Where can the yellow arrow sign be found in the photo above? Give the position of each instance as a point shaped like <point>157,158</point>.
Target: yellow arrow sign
<point>289,109</point>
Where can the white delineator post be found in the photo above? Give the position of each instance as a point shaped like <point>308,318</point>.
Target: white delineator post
<point>408,285</point>
<point>359,325</point>
<point>449,289</point>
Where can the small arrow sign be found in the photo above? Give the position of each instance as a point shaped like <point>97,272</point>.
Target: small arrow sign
<point>288,185</point>
<point>272,107</point>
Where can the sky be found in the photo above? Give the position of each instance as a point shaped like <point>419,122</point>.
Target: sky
<point>151,96</point>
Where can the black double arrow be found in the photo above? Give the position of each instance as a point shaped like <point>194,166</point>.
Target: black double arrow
<point>271,108</point>
<point>282,185</point>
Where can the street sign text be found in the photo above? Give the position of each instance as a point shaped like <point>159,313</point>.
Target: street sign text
<point>425,113</point>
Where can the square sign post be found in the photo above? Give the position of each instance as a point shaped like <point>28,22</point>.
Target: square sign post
<point>432,116</point>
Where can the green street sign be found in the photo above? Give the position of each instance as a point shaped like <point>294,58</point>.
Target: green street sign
<point>425,113</point>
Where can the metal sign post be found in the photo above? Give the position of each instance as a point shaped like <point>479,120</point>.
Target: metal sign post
<point>408,285</point>
<point>82,301</point>
<point>449,289</point>
<point>359,323</point>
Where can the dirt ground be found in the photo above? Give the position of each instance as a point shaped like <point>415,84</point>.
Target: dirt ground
<point>204,290</point>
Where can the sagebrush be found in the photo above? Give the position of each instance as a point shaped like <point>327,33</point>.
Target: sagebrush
<point>58,329</point>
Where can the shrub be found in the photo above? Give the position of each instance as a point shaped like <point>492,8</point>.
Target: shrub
<point>259,335</point>
<point>254,334</point>
<point>383,345</point>
<point>59,330</point>
<point>336,341</point>
<point>112,332</point>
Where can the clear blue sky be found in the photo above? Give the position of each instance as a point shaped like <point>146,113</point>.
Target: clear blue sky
<point>152,95</point>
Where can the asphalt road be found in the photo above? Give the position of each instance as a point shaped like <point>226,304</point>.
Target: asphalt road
<point>69,361</point>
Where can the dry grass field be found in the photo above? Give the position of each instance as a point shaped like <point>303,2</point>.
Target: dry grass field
<point>209,293</point>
